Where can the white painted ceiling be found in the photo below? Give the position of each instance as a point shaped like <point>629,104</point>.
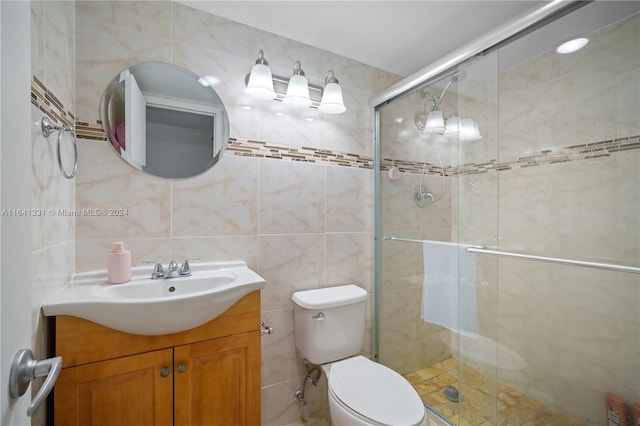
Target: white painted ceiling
<point>397,36</point>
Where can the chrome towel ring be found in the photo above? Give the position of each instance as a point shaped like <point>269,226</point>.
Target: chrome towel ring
<point>47,127</point>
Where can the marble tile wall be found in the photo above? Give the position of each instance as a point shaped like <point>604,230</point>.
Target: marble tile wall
<point>556,173</point>
<point>53,94</point>
<point>588,321</point>
<point>300,225</point>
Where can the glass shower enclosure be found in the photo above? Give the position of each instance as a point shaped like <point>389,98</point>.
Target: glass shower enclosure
<point>508,227</point>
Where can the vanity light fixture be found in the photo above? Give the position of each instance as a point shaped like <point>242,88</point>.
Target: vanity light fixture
<point>572,45</point>
<point>331,102</point>
<point>260,84</point>
<point>298,89</point>
<point>294,92</point>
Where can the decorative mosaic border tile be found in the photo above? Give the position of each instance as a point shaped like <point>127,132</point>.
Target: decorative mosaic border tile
<point>90,130</point>
<point>545,157</point>
<point>249,148</point>
<point>48,103</point>
<point>416,167</point>
<point>258,149</point>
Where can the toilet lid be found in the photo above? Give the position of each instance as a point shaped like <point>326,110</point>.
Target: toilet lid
<point>376,392</point>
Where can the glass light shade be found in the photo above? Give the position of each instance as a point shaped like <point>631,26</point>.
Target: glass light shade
<point>435,122</point>
<point>469,130</point>
<point>332,102</point>
<point>452,127</point>
<point>260,84</point>
<point>297,92</point>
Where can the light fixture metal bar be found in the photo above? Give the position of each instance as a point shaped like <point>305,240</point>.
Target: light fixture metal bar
<point>280,87</point>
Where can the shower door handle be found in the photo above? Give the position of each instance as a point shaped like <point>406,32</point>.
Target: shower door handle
<point>24,369</point>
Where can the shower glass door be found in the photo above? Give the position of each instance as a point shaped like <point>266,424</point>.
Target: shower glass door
<point>487,339</point>
<point>428,213</point>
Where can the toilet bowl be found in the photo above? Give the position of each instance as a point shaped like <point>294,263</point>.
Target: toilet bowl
<point>363,392</point>
<point>329,331</point>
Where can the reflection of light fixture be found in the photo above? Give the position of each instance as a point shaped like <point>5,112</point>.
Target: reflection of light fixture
<point>332,102</point>
<point>572,45</point>
<point>469,130</point>
<point>298,89</point>
<point>277,108</point>
<point>435,122</point>
<point>453,126</point>
<point>309,114</point>
<point>295,92</point>
<point>260,84</point>
<point>209,80</point>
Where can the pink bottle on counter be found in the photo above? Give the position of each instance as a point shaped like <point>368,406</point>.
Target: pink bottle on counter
<point>118,263</point>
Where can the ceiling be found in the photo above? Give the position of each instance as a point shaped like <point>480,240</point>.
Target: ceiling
<point>400,37</point>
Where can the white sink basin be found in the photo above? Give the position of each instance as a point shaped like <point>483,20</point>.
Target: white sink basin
<point>154,307</point>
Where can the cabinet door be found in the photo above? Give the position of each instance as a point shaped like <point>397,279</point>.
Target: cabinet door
<point>132,390</point>
<point>217,382</point>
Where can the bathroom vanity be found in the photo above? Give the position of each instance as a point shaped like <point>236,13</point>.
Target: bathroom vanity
<point>208,375</point>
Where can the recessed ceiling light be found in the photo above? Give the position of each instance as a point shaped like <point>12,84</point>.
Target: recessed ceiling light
<point>572,45</point>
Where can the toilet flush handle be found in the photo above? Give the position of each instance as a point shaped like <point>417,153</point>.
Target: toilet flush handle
<point>319,317</point>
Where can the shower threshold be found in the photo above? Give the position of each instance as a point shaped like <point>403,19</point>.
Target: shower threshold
<point>477,404</point>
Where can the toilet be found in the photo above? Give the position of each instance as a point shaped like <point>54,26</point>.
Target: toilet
<point>329,325</point>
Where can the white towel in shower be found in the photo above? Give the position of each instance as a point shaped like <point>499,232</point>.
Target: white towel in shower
<point>449,287</point>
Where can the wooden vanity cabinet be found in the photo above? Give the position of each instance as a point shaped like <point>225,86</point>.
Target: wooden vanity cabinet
<point>209,375</point>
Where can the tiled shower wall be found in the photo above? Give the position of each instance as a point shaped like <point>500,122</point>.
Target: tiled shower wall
<point>53,245</point>
<point>577,329</point>
<point>301,225</point>
<point>557,174</point>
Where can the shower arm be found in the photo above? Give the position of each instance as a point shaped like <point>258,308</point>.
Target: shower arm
<point>437,100</point>
<point>434,99</point>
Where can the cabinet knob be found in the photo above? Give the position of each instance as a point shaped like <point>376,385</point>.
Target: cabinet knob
<point>182,367</point>
<point>164,372</point>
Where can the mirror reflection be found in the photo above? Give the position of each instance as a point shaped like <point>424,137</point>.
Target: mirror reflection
<point>162,120</point>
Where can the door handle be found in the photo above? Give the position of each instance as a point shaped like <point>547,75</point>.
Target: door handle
<point>24,369</point>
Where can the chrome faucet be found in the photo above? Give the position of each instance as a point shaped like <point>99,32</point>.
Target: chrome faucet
<point>172,270</point>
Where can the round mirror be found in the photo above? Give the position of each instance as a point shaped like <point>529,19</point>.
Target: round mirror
<point>164,120</point>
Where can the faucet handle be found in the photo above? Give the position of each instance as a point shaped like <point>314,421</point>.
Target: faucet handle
<point>185,270</point>
<point>158,272</point>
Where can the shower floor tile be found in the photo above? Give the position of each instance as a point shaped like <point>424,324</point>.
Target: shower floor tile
<point>478,405</point>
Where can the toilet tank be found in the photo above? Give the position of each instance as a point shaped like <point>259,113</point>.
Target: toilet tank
<point>329,323</point>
